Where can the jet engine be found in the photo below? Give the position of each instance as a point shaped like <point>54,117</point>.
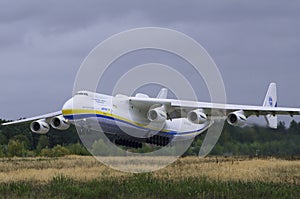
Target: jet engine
<point>197,116</point>
<point>60,123</point>
<point>236,118</point>
<point>157,115</point>
<point>39,127</point>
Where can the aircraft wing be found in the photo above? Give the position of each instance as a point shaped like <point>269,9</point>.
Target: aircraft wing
<point>233,112</point>
<point>46,116</point>
<point>181,108</point>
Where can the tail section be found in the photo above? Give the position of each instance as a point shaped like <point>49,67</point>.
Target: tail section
<point>271,101</point>
<point>162,94</point>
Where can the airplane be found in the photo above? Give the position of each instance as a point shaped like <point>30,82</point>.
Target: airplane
<point>156,121</point>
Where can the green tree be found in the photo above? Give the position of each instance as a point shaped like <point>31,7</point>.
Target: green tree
<point>281,126</point>
<point>99,148</point>
<point>22,139</point>
<point>3,139</point>
<point>294,127</point>
<point>2,151</point>
<point>16,148</point>
<point>43,142</point>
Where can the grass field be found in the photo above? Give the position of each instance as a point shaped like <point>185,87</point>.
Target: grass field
<point>189,177</point>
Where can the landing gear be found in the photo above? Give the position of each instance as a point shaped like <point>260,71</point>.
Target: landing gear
<point>155,140</point>
<point>158,140</point>
<point>128,143</point>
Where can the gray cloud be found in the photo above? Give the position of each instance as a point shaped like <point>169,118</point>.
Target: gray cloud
<point>42,45</point>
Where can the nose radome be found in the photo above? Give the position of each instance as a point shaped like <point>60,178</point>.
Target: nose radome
<point>67,107</point>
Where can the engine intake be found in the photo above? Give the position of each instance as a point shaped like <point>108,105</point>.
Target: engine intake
<point>197,116</point>
<point>39,127</point>
<point>157,115</point>
<point>60,123</point>
<point>236,118</point>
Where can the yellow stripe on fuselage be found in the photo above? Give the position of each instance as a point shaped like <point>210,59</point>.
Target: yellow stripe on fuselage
<point>96,112</point>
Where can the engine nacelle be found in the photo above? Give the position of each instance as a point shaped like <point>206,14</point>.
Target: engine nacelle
<point>236,118</point>
<point>197,116</point>
<point>157,115</point>
<point>39,127</point>
<point>60,123</point>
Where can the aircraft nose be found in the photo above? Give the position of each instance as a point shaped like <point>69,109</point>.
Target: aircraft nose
<point>67,107</point>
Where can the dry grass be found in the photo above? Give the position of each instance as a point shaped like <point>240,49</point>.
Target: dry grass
<point>271,170</point>
<point>87,168</point>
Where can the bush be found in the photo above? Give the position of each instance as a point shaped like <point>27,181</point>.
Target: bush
<point>102,148</point>
<point>77,149</point>
<point>15,148</point>
<point>57,151</point>
<point>46,152</point>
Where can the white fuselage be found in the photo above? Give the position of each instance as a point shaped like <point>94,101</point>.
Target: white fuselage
<point>115,115</point>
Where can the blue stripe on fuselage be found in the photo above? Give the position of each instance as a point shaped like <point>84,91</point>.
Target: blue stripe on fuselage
<point>82,116</point>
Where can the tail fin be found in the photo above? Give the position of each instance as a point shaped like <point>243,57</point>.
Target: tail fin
<point>162,94</point>
<point>271,101</point>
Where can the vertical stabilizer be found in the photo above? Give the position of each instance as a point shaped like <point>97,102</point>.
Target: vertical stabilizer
<point>162,94</point>
<point>271,101</point>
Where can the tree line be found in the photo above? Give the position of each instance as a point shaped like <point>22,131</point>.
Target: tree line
<point>255,141</point>
<point>18,140</point>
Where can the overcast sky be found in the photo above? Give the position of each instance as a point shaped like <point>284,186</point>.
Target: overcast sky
<point>43,43</point>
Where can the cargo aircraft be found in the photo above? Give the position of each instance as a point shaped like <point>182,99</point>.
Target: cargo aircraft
<point>155,121</point>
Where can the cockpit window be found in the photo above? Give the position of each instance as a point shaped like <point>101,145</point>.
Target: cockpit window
<point>82,93</point>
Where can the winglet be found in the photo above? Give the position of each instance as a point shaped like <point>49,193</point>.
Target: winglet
<point>271,101</point>
<point>163,93</point>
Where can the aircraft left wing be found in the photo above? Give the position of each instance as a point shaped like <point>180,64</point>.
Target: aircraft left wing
<point>46,117</point>
<point>181,108</point>
<point>236,114</point>
<point>186,106</point>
